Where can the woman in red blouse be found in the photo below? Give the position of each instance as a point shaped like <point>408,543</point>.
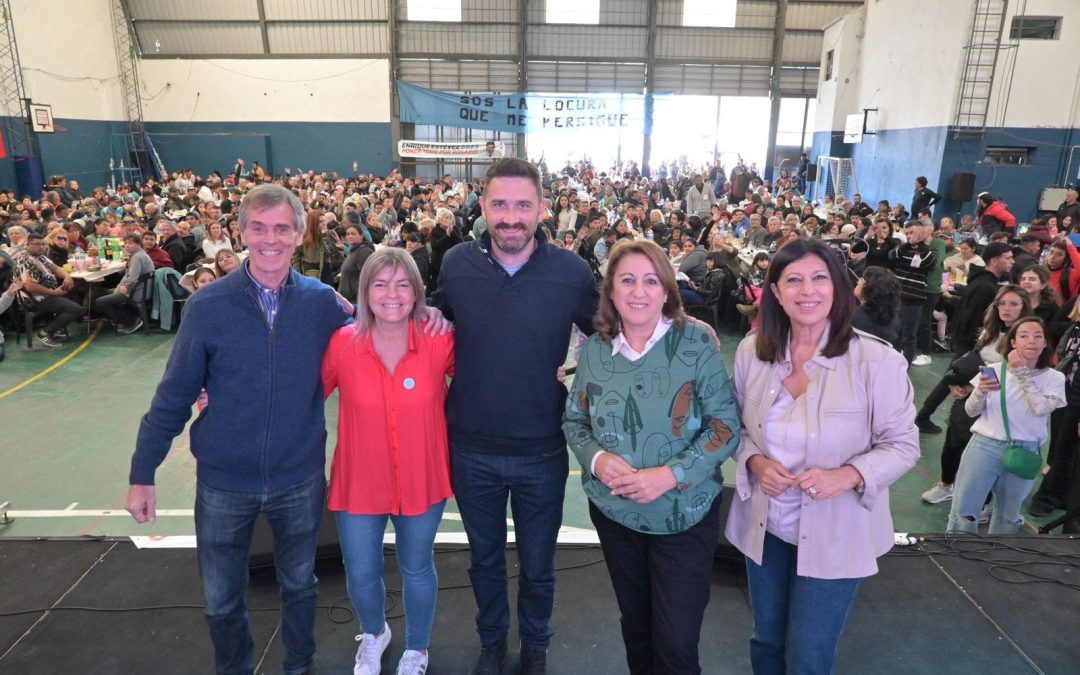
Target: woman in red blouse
<point>391,460</point>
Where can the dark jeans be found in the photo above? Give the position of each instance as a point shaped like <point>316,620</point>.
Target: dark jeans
<point>223,525</point>
<point>65,310</point>
<point>933,401</point>
<point>534,485</point>
<point>118,308</point>
<point>1054,490</point>
<point>661,583</point>
<point>910,314</point>
<point>924,335</point>
<point>797,620</point>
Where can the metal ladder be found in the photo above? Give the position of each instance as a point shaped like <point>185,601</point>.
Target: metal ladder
<point>977,81</point>
<point>12,93</point>
<point>126,53</point>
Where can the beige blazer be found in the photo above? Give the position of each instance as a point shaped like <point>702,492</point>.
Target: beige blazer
<point>864,417</point>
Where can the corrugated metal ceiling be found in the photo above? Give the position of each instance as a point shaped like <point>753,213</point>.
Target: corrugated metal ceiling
<point>713,57</point>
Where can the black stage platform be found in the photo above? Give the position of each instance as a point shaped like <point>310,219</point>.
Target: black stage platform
<point>946,606</point>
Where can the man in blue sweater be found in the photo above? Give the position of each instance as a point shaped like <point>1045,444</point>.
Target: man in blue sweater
<point>255,341</point>
<point>513,299</point>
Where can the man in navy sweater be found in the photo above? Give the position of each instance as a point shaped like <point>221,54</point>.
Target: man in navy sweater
<point>255,342</point>
<point>513,299</point>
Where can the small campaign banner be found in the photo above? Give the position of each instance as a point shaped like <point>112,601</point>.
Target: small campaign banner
<point>437,150</point>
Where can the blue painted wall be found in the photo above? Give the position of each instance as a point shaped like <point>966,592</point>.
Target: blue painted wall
<point>1018,186</point>
<point>329,146</point>
<point>80,149</point>
<point>887,163</point>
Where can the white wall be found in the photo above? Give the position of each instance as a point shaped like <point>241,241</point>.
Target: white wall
<point>68,57</point>
<point>1045,79</point>
<point>265,90</point>
<point>912,60</point>
<point>839,95</point>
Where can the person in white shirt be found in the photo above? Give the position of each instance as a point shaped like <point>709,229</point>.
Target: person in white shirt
<point>215,241</point>
<point>1033,390</point>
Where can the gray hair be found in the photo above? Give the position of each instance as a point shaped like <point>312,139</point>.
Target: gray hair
<point>394,258</point>
<point>439,213</point>
<point>268,196</point>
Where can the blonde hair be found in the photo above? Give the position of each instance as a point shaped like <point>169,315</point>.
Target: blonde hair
<point>395,259</point>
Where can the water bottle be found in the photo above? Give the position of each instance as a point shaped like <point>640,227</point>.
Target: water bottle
<point>80,259</point>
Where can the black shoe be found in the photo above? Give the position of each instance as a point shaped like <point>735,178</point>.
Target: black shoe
<point>128,330</point>
<point>926,426</point>
<point>531,663</point>
<point>491,661</point>
<point>48,340</point>
<point>1040,508</point>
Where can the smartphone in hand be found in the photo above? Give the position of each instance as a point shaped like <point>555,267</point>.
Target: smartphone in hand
<point>989,373</point>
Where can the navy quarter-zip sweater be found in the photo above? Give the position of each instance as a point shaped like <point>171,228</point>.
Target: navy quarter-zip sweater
<point>263,428</point>
<point>512,334</point>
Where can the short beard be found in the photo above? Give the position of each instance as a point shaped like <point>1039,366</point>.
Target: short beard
<point>507,246</point>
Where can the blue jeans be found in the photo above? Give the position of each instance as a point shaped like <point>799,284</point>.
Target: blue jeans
<point>797,620</point>
<point>981,472</point>
<point>534,485</point>
<point>224,522</point>
<point>362,548</point>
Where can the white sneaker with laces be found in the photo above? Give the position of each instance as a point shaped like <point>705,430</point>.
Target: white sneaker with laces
<point>369,653</point>
<point>939,493</point>
<point>921,360</point>
<point>412,662</point>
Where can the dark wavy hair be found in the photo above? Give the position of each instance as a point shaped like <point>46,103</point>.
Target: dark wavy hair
<point>774,328</point>
<point>880,294</point>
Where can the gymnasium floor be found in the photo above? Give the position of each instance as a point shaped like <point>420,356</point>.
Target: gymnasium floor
<point>69,416</point>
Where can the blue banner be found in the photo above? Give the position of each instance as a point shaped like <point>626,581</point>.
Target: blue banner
<point>522,113</point>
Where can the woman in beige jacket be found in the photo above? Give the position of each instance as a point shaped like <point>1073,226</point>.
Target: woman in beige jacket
<point>828,425</point>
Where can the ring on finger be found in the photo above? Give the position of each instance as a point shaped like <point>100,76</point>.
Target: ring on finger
<point>812,491</point>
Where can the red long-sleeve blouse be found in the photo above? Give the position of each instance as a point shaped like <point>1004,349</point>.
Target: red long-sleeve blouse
<point>392,454</point>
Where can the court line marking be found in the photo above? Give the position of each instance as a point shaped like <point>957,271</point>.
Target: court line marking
<point>188,540</point>
<point>84,345</point>
<point>70,512</point>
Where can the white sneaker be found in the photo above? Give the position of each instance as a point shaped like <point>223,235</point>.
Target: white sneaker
<point>939,493</point>
<point>412,663</point>
<point>369,653</point>
<point>921,360</point>
<point>984,515</point>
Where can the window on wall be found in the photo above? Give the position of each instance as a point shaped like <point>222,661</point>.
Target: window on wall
<point>796,115</point>
<point>573,11</point>
<point>434,10</point>
<point>716,13</point>
<point>1035,28</point>
<point>829,55</point>
<point>1011,156</point>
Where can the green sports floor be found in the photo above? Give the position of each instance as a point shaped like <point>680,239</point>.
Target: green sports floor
<point>69,417</point>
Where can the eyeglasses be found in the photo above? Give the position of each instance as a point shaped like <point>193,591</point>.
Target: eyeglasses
<point>61,238</point>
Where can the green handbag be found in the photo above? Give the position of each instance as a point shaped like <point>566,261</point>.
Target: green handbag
<point>1017,460</point>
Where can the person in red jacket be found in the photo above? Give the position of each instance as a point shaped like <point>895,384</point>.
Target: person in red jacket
<point>1064,263</point>
<point>994,215</point>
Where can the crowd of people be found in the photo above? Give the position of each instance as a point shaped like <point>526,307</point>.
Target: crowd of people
<point>308,282</point>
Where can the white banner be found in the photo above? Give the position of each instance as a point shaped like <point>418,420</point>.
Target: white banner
<point>436,150</point>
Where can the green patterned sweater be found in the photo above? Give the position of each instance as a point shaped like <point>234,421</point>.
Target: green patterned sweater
<point>674,406</point>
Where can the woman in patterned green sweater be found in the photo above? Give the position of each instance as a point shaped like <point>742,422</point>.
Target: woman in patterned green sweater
<point>651,417</point>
